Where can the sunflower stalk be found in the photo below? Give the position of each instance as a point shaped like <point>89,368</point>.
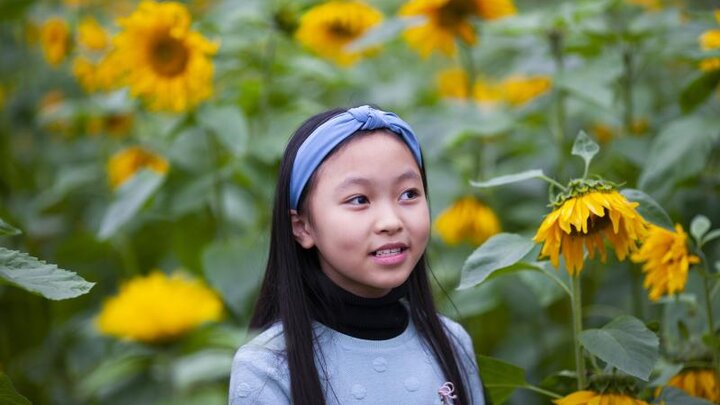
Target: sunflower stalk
<point>468,64</point>
<point>706,276</point>
<point>556,46</point>
<point>576,301</point>
<point>626,86</point>
<point>218,206</point>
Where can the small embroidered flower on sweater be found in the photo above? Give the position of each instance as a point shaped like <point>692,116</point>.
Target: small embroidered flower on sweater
<point>446,393</point>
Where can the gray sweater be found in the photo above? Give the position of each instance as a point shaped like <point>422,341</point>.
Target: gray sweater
<point>397,371</point>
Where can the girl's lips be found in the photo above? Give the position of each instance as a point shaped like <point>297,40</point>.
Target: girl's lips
<point>390,259</point>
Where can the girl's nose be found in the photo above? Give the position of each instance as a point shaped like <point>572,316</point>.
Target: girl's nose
<point>388,220</point>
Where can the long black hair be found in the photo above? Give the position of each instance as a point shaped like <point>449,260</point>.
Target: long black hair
<point>291,279</point>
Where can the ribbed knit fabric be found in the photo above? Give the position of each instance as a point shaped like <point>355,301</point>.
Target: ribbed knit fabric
<point>364,318</point>
<point>397,371</point>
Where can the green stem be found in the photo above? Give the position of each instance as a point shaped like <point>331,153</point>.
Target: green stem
<point>553,182</point>
<point>557,280</point>
<point>626,86</point>
<point>128,256</point>
<point>468,63</point>
<point>218,208</point>
<point>556,47</point>
<point>576,299</point>
<point>542,391</point>
<point>527,387</point>
<point>706,276</point>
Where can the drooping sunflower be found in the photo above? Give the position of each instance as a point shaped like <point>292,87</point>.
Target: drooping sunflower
<point>710,40</point>
<point>666,260</point>
<point>92,35</point>
<point>520,89</point>
<point>158,308</point>
<point>467,220</point>
<point>328,28</point>
<point>55,40</point>
<point>583,217</point>
<point>594,398</point>
<point>448,20</point>
<point>124,164</point>
<point>698,382</point>
<point>163,62</point>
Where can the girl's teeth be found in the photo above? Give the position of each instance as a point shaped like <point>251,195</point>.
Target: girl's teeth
<point>387,252</point>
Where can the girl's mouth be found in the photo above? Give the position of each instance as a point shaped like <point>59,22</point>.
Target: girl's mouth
<point>388,252</point>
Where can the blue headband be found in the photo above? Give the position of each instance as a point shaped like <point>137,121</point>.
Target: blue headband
<point>335,130</point>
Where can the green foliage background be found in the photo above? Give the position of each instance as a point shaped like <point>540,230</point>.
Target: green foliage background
<point>611,63</point>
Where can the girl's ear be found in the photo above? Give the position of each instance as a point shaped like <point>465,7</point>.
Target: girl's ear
<point>301,229</point>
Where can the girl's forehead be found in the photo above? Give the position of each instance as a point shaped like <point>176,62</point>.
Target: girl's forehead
<point>380,153</point>
<point>371,148</point>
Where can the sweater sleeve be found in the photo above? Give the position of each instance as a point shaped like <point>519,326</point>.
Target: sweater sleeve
<point>256,379</point>
<point>468,365</point>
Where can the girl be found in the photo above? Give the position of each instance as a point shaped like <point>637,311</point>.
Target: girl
<point>345,308</point>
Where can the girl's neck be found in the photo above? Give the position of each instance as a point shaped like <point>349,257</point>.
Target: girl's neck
<point>364,318</point>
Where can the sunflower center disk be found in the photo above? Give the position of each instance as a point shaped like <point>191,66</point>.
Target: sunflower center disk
<point>169,57</point>
<point>341,31</point>
<point>594,224</point>
<point>455,12</point>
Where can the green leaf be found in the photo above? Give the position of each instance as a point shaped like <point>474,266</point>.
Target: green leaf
<point>586,148</point>
<point>500,378</point>
<point>649,208</point>
<point>39,277</point>
<point>510,178</point>
<point>203,366</point>
<point>626,344</point>
<point>698,90</point>
<point>699,226</point>
<point>497,253</point>
<point>680,151</point>
<point>111,374</point>
<point>234,268</point>
<point>7,229</point>
<point>674,396</point>
<point>712,235</point>
<point>384,32</point>
<point>8,395</point>
<point>130,198</point>
<point>229,125</point>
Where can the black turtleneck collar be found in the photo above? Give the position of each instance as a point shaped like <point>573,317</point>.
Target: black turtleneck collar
<point>364,318</point>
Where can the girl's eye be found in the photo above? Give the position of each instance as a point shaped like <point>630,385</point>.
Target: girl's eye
<point>358,200</point>
<point>410,194</point>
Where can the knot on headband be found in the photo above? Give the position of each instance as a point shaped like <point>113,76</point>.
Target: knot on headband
<point>335,130</point>
<point>369,117</point>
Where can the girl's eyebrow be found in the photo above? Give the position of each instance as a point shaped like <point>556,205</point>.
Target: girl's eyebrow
<point>362,181</point>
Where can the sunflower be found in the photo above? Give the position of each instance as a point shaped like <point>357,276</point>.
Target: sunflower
<point>666,260</point>
<point>328,28</point>
<point>698,382</point>
<point>452,83</point>
<point>520,89</point>
<point>595,398</point>
<point>467,220</point>
<point>710,40</point>
<point>449,19</point>
<point>162,60</point>
<point>589,211</point>
<point>97,76</point>
<point>55,40</point>
<point>91,35</point>
<point>158,308</point>
<point>124,164</point>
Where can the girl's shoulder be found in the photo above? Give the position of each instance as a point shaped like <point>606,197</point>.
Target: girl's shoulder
<point>268,340</point>
<point>456,331</point>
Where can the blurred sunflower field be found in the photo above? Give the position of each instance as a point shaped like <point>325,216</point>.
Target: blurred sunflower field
<point>574,178</point>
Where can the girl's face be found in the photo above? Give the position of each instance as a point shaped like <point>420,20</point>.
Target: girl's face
<point>367,215</point>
